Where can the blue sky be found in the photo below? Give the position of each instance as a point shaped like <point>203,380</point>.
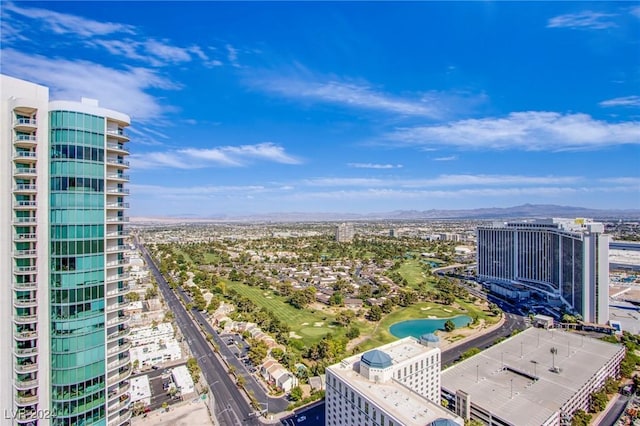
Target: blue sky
<point>243,108</point>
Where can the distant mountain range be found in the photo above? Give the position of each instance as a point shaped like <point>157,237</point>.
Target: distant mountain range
<point>523,211</point>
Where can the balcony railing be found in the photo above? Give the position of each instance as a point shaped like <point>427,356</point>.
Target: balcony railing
<point>118,205</point>
<point>23,187</point>
<point>118,335</point>
<point>117,162</point>
<point>25,335</point>
<point>25,351</point>
<point>115,393</point>
<point>25,319</point>
<point>24,253</point>
<point>118,320</point>
<point>120,348</point>
<point>120,404</point>
<point>25,141</point>
<point>26,399</point>
<point>25,203</point>
<point>25,122</point>
<point>25,171</point>
<point>25,154</point>
<point>26,368</point>
<point>117,191</point>
<point>122,376</point>
<point>26,384</point>
<point>25,219</point>
<point>119,262</point>
<point>117,132</point>
<point>118,176</point>
<point>121,419</point>
<point>120,362</point>
<point>24,285</point>
<point>24,303</point>
<point>24,269</point>
<point>117,147</point>
<point>116,307</point>
<point>118,291</point>
<point>117,234</point>
<point>118,219</point>
<point>118,277</point>
<point>116,248</point>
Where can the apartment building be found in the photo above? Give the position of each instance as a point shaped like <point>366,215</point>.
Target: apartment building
<point>565,260</point>
<point>64,358</point>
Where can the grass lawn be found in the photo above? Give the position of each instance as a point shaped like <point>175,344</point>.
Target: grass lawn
<point>301,321</point>
<point>421,310</point>
<point>412,271</point>
<point>211,258</point>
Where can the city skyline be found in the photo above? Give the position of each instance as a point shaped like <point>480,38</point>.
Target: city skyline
<point>247,108</point>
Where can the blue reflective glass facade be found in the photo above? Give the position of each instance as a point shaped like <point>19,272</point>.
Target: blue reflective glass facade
<point>77,286</point>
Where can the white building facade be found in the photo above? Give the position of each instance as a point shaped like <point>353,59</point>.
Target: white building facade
<point>65,358</point>
<point>565,260</point>
<point>396,384</point>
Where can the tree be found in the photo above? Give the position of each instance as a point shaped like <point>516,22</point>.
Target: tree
<point>449,326</point>
<point>598,401</point>
<point>151,293</point>
<point>133,296</point>
<point>194,369</point>
<point>257,351</point>
<point>580,418</point>
<point>345,317</point>
<point>353,332</point>
<point>336,299</point>
<point>296,393</point>
<point>375,313</point>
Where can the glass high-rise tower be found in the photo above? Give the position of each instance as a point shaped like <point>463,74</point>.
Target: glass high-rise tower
<point>62,262</point>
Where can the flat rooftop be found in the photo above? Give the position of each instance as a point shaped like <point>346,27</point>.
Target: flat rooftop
<point>514,379</point>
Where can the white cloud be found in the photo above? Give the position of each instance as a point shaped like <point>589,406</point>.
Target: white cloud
<point>529,131</point>
<point>348,94</point>
<point>623,180</point>
<point>583,20</point>
<point>62,23</point>
<point>374,166</point>
<point>122,90</point>
<point>232,55</point>
<point>625,101</point>
<point>635,11</point>
<point>226,156</point>
<point>442,181</point>
<point>449,158</point>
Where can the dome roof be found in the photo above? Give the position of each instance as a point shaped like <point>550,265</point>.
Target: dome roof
<point>443,422</point>
<point>429,337</point>
<point>376,359</point>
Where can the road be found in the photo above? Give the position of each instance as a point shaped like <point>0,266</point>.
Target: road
<point>614,412</point>
<point>231,408</point>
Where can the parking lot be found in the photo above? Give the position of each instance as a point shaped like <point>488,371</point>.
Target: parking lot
<point>159,382</point>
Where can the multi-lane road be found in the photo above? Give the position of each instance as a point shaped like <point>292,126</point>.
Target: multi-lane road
<point>231,407</point>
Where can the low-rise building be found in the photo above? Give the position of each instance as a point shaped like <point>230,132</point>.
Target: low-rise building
<point>537,377</point>
<point>183,381</point>
<point>141,390</point>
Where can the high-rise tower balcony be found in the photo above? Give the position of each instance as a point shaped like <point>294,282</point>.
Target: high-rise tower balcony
<point>118,205</point>
<point>117,191</point>
<point>25,156</point>
<point>25,188</point>
<point>25,303</point>
<point>121,418</point>
<point>25,220</point>
<point>117,148</point>
<point>26,367</point>
<point>24,285</point>
<point>25,335</point>
<point>117,391</point>
<point>25,141</point>
<point>25,383</point>
<point>25,352</point>
<point>123,374</point>
<point>114,291</point>
<point>118,162</point>
<point>24,399</point>
<point>118,177</point>
<point>25,319</point>
<point>25,172</point>
<point>117,133</point>
<point>25,205</point>
<point>24,254</point>
<point>25,124</point>
<point>117,335</point>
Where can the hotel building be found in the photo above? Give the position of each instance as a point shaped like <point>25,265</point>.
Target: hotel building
<point>393,385</point>
<point>64,355</point>
<point>537,377</point>
<point>565,260</point>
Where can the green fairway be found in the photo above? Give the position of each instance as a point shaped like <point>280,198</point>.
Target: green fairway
<point>311,326</point>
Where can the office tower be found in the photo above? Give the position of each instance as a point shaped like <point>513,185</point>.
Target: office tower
<point>396,384</point>
<point>566,261</point>
<point>344,233</point>
<point>64,357</point>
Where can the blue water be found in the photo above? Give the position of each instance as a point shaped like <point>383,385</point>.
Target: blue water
<point>418,327</point>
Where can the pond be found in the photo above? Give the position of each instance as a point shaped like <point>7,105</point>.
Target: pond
<point>418,327</point>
